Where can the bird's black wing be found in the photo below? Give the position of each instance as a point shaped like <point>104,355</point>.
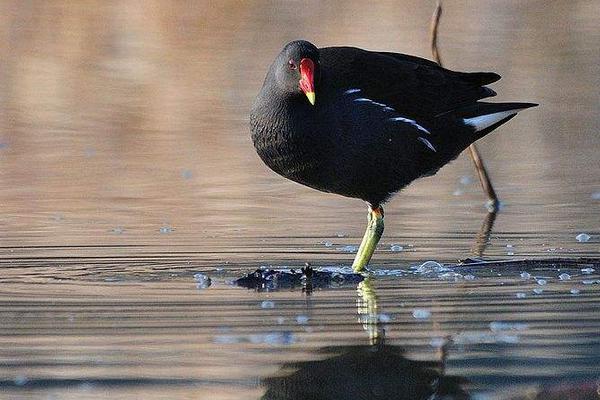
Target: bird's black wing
<point>415,87</point>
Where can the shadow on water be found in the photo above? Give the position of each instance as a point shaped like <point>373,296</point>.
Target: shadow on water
<point>374,371</point>
<point>377,371</point>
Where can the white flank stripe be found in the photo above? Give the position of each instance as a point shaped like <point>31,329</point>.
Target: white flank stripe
<point>410,121</point>
<point>427,143</point>
<point>485,121</point>
<point>350,91</point>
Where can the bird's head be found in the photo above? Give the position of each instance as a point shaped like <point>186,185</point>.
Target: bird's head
<point>297,69</point>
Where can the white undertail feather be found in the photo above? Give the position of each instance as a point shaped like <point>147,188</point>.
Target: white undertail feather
<point>485,121</point>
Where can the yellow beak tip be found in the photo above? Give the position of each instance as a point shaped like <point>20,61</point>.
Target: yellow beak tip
<point>311,97</point>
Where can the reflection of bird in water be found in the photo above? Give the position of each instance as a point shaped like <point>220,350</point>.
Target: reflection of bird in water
<point>363,372</point>
<point>376,371</point>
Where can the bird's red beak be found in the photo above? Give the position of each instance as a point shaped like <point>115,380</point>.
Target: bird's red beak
<point>307,79</point>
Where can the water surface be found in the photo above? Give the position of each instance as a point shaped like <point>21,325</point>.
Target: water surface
<point>127,168</point>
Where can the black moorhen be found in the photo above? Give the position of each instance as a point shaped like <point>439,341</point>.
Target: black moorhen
<point>365,124</point>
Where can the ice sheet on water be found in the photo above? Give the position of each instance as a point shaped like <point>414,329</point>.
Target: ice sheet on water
<point>337,270</point>
<point>267,304</point>
<point>541,282</point>
<point>202,281</point>
<point>21,380</point>
<point>475,337</point>
<point>430,267</point>
<point>564,277</point>
<point>348,249</point>
<point>521,295</point>
<point>387,272</point>
<point>583,237</point>
<point>272,338</point>
<point>451,276</point>
<point>525,275</point>
<point>438,342</point>
<point>165,229</point>
<point>587,270</point>
<point>497,326</point>
<point>465,180</point>
<point>575,291</point>
<point>421,313</point>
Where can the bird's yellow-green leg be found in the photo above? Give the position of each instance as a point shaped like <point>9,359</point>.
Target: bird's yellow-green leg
<point>370,240</point>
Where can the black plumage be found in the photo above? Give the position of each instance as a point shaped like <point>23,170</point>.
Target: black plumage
<point>380,120</point>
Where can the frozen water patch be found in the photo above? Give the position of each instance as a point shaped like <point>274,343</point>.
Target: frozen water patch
<point>430,267</point>
<point>474,337</point>
<point>525,275</point>
<point>348,249</point>
<point>498,326</point>
<point>267,304</point>
<point>583,237</point>
<point>165,229</point>
<point>575,291</point>
<point>521,295</point>
<point>437,342</point>
<point>421,314</point>
<point>271,338</point>
<point>564,277</point>
<point>465,180</point>
<point>587,271</point>
<point>396,248</point>
<point>541,282</point>
<point>202,281</point>
<point>337,270</point>
<point>388,272</point>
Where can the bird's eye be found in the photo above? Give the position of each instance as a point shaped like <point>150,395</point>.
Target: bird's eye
<point>292,64</point>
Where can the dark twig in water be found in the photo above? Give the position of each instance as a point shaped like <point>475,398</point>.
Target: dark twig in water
<point>435,23</point>
<point>483,237</point>
<point>484,178</point>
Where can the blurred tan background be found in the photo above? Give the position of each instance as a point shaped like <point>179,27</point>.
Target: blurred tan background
<point>126,121</point>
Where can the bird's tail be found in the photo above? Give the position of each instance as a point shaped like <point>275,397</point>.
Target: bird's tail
<point>485,117</point>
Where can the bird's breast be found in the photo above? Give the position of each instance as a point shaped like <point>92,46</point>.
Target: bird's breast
<point>287,148</point>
